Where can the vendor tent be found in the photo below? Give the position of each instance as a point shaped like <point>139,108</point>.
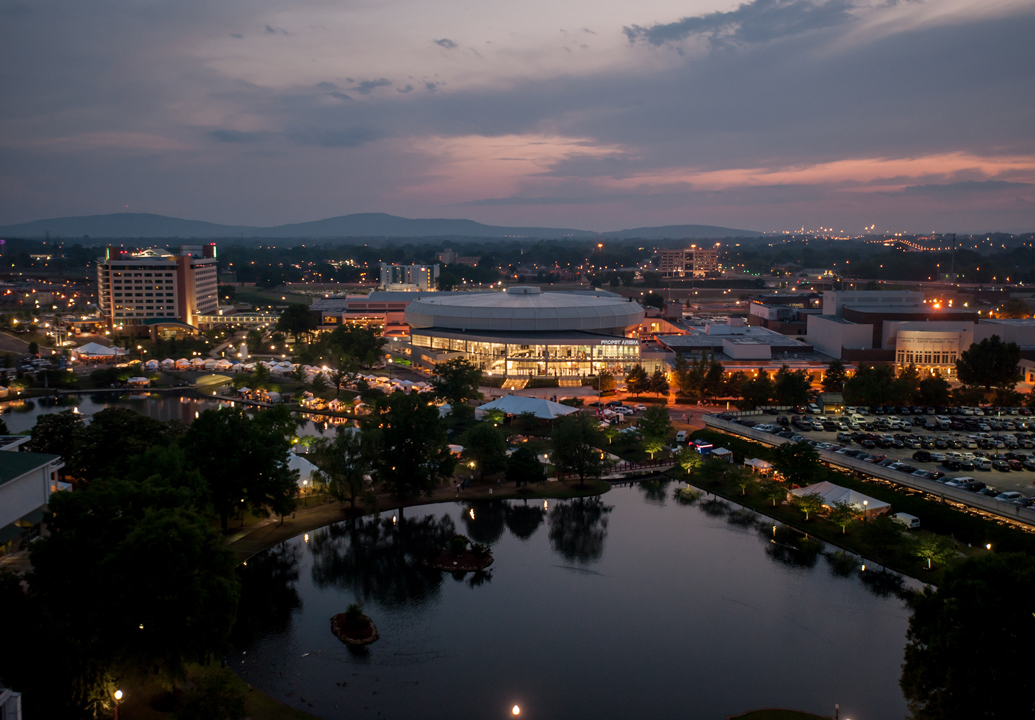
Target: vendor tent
<point>90,350</point>
<point>831,493</point>
<point>305,469</point>
<point>759,464</point>
<point>516,405</point>
<point>723,454</point>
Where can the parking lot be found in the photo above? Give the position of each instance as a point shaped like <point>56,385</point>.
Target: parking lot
<point>897,437</point>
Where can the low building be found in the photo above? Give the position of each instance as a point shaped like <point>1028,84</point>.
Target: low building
<point>448,257</point>
<point>27,481</point>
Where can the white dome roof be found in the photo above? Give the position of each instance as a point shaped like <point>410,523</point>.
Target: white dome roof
<point>524,309</point>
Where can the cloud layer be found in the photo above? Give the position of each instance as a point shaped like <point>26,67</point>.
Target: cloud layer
<point>774,114</point>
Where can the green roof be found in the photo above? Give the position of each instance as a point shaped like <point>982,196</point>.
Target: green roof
<point>15,464</point>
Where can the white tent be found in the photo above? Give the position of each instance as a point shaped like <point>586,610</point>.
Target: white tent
<point>758,464</point>
<point>723,454</point>
<point>831,493</point>
<point>151,365</point>
<point>95,350</point>
<point>515,405</point>
<point>305,469</point>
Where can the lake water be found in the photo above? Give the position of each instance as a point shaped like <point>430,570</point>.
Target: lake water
<point>21,415</point>
<point>633,605</point>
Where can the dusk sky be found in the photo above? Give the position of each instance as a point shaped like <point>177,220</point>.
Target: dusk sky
<point>770,115</point>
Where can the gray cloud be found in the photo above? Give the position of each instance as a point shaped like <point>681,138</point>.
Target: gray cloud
<point>365,87</point>
<point>237,36</point>
<point>757,21</point>
<point>350,137</point>
<point>969,187</point>
<point>232,136</point>
<point>408,88</point>
<point>446,43</point>
<point>270,30</point>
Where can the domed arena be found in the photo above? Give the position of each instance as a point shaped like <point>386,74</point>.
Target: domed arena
<point>525,331</point>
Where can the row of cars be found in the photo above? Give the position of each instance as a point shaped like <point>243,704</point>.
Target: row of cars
<point>950,460</point>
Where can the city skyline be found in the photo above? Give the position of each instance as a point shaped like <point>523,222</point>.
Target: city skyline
<point>770,115</point>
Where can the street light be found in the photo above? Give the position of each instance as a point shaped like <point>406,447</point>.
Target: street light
<point>118,700</point>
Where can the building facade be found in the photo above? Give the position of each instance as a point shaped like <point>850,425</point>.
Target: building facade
<point>418,278</point>
<point>137,291</point>
<point>694,261</point>
<point>526,332</point>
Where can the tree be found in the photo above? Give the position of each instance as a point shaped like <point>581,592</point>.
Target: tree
<point>989,363</point>
<point>653,445</point>
<point>212,696</point>
<point>771,490</point>
<point>791,387</point>
<point>932,548</point>
<point>741,477</point>
<point>319,382</point>
<point>55,433</point>
<point>3,428</point>
<point>523,467</point>
<point>606,381</point>
<point>244,460</point>
<point>1014,308</point>
<point>714,380</point>
<point>870,386</point>
<point>905,390</point>
<point>797,462</point>
<point>688,459</point>
<point>842,513</point>
<point>935,390</point>
<point>756,391</point>
<point>835,377</point>
<point>345,370</point>
<point>344,464</point>
<point>363,343</point>
<point>484,443</point>
<point>979,616</point>
<point>655,423</point>
<point>659,383</point>
<point>637,381</point>
<point>610,432</point>
<point>34,348</point>
<point>414,456</point>
<point>574,446</point>
<point>456,381</point>
<point>807,504</point>
<point>447,281</point>
<point>298,320</point>
<point>882,533</point>
<point>130,432</point>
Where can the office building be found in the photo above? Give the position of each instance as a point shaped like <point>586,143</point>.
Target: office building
<point>693,261</point>
<point>409,278</point>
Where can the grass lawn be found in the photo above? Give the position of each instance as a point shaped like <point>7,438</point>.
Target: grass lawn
<point>140,690</point>
<point>776,714</point>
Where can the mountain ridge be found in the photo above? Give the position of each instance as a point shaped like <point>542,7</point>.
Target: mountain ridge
<point>372,225</point>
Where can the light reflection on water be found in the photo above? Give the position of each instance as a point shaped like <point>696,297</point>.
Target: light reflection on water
<point>635,604</point>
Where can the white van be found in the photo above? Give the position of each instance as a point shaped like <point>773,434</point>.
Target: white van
<point>681,436</point>
<point>912,522</point>
<point>981,463</point>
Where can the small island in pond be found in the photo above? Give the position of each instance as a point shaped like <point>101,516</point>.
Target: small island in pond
<point>354,628</point>
<point>462,556</point>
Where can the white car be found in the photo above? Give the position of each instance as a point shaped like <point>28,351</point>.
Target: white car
<point>641,408</point>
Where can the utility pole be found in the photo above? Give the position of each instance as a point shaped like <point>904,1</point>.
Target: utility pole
<point>953,271</point>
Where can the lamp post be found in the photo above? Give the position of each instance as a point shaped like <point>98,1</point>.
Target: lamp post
<point>865,503</point>
<point>118,701</point>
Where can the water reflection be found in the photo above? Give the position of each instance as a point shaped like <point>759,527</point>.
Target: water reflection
<point>379,560</point>
<point>269,594</point>
<point>484,520</point>
<point>524,520</point>
<point>578,529</point>
<point>789,547</point>
<point>655,491</point>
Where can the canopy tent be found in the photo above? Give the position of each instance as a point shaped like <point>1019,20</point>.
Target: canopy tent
<point>831,493</point>
<point>759,464</point>
<point>723,454</point>
<point>152,365</point>
<point>95,350</point>
<point>516,405</point>
<point>304,467</point>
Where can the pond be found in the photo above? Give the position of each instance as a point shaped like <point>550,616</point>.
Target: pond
<point>21,415</point>
<point>635,604</point>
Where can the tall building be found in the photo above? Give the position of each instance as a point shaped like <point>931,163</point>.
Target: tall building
<point>695,261</point>
<point>409,277</point>
<point>138,291</point>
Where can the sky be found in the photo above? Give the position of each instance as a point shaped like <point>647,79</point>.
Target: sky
<point>769,115</point>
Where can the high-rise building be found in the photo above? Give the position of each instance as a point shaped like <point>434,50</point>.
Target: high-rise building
<point>694,260</point>
<point>421,278</point>
<point>138,290</point>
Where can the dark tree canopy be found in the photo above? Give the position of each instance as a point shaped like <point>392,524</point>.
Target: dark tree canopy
<point>791,387</point>
<point>523,467</point>
<point>114,434</point>
<point>990,363</point>
<point>797,462</point>
<point>835,377</point>
<point>244,460</point>
<point>298,320</point>
<point>55,433</point>
<point>575,451</point>
<point>414,455</point>
<point>971,634</point>
<point>457,381</point>
<point>487,448</point>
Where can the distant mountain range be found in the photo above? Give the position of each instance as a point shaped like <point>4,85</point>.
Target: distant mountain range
<point>359,225</point>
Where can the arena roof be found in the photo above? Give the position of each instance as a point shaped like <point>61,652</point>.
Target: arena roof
<point>524,308</point>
